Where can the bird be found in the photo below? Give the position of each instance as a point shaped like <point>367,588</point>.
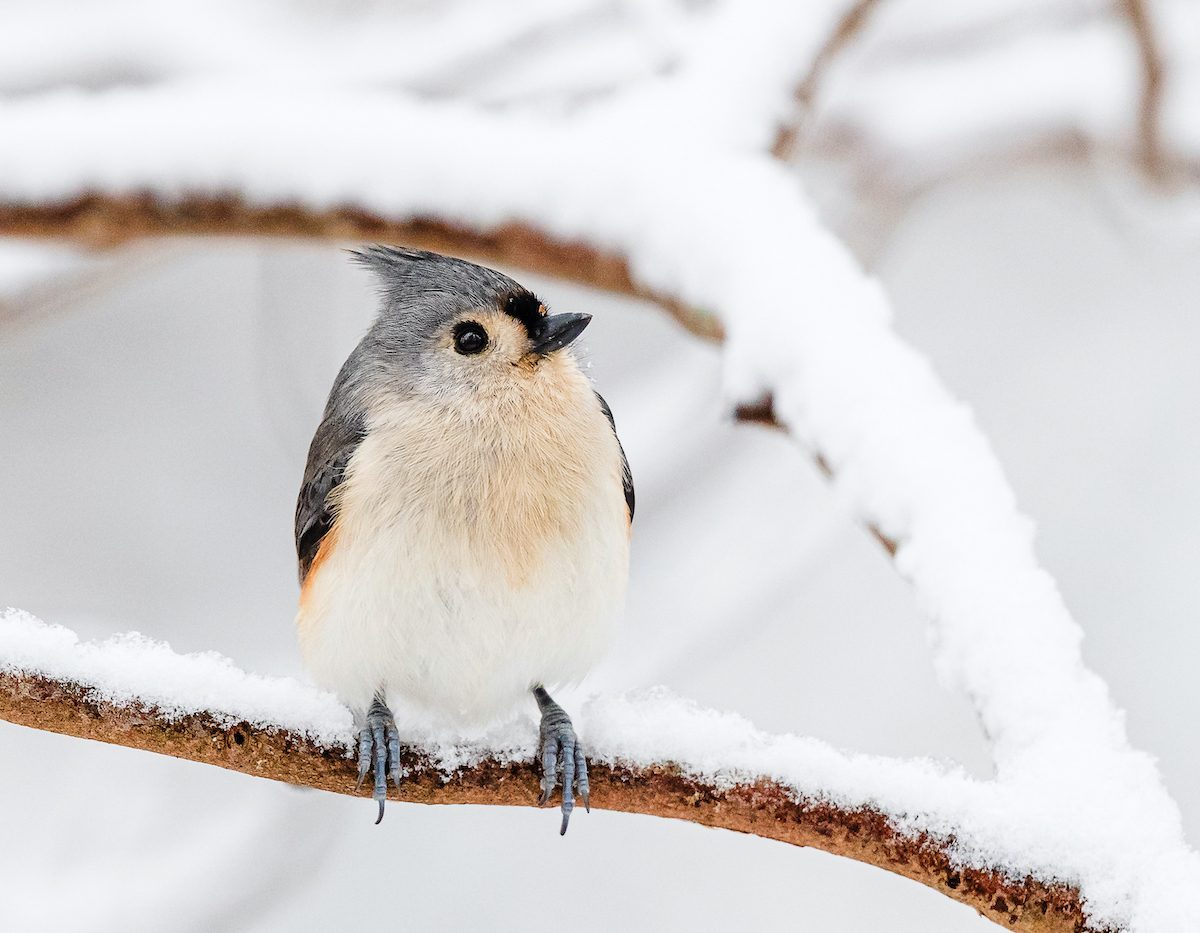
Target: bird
<point>463,526</point>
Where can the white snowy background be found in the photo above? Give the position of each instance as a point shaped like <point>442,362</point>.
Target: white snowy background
<point>155,406</point>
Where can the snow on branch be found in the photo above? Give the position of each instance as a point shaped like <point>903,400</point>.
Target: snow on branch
<point>717,770</point>
<point>1072,800</point>
<point>724,237</point>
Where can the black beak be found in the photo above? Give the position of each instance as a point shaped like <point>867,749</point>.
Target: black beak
<point>556,331</point>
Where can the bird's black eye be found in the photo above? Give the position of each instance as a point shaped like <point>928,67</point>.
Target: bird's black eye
<point>470,338</point>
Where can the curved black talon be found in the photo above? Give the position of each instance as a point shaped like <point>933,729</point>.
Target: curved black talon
<point>562,758</point>
<point>379,746</point>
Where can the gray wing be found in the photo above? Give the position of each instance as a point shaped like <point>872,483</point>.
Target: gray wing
<point>337,437</point>
<point>626,475</point>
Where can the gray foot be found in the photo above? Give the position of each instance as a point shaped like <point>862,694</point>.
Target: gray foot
<point>562,757</point>
<point>379,744</point>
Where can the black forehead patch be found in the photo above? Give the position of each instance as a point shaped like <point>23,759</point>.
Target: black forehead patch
<point>527,308</point>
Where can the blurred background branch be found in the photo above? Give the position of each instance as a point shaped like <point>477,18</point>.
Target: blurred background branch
<point>851,23</point>
<point>1152,156</point>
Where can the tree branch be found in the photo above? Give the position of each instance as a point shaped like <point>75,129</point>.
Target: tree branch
<point>848,27</point>
<point>764,808</point>
<point>106,221</point>
<point>1150,108</point>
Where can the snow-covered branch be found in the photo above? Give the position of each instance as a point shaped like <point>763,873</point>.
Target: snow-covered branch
<point>108,220</point>
<point>681,205</point>
<point>655,755</point>
<point>1072,798</point>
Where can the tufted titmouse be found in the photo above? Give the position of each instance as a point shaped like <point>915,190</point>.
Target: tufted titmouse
<point>463,526</point>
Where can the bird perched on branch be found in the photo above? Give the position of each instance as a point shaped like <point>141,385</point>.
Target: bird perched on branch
<point>463,526</point>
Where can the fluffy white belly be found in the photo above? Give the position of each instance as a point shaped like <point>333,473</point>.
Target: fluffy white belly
<point>458,584</point>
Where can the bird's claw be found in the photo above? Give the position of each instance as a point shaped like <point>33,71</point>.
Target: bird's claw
<point>563,762</point>
<point>379,747</point>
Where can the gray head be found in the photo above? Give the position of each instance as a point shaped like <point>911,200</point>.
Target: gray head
<point>447,325</point>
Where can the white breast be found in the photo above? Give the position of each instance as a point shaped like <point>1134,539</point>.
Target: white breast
<point>476,553</point>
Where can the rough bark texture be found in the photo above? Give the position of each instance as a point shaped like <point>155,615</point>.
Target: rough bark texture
<point>763,809</point>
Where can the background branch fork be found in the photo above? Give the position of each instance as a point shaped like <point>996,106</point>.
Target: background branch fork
<point>764,808</point>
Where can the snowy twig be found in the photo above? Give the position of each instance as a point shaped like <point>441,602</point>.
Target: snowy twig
<point>1061,809</point>
<point>723,231</point>
<point>308,757</point>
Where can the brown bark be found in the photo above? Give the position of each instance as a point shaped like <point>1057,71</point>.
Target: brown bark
<point>848,27</point>
<point>764,808</point>
<point>106,221</point>
<point>1137,14</point>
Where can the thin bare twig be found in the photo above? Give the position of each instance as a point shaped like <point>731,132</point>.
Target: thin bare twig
<point>848,28</point>
<point>1153,87</point>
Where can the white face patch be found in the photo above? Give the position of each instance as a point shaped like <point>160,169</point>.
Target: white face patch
<point>503,366</point>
